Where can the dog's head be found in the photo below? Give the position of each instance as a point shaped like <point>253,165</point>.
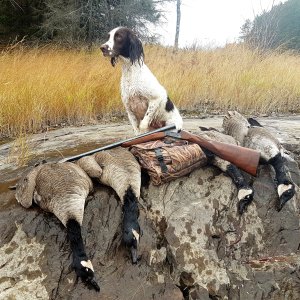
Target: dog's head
<point>123,42</point>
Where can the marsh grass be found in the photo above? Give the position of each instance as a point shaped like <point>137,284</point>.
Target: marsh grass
<point>42,87</point>
<point>21,151</point>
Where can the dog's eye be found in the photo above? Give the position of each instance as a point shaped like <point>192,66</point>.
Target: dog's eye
<point>118,38</point>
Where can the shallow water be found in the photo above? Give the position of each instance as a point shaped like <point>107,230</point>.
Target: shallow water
<point>7,198</point>
<point>7,195</point>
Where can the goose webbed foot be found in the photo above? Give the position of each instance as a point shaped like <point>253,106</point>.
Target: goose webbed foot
<point>134,255</point>
<point>245,196</point>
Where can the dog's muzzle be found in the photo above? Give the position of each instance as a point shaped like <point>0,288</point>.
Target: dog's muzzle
<point>105,50</point>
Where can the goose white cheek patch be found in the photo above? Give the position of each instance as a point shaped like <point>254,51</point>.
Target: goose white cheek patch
<point>136,235</point>
<point>243,193</point>
<point>283,188</point>
<point>87,264</point>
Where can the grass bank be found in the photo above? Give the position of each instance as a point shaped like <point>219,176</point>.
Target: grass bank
<point>43,87</point>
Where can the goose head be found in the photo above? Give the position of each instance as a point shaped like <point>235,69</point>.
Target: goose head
<point>286,191</point>
<point>84,269</point>
<point>131,238</point>
<point>245,196</point>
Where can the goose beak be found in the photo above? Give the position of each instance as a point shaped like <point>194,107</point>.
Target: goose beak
<point>282,202</point>
<point>134,256</point>
<point>242,206</point>
<point>286,196</point>
<point>95,285</point>
<point>246,197</point>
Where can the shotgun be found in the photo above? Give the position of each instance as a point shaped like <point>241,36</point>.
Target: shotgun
<point>120,143</point>
<point>244,158</point>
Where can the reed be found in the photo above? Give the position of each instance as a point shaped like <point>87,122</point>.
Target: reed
<point>43,87</point>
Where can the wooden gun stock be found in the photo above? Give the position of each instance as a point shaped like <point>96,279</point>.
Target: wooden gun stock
<point>244,158</point>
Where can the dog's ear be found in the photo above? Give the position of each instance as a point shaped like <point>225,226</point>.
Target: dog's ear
<point>136,52</point>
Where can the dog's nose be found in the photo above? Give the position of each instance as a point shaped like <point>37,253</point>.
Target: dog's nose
<point>104,48</point>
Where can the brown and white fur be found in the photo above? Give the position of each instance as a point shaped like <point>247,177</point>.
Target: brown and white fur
<point>145,99</point>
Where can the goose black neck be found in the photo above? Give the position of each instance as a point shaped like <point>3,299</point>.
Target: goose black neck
<point>130,207</point>
<point>278,164</point>
<point>75,238</point>
<point>236,175</point>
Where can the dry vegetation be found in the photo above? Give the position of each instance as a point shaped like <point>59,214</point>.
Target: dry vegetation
<point>43,87</point>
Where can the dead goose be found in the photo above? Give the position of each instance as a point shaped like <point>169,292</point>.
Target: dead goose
<point>245,191</point>
<point>250,133</point>
<point>61,189</point>
<point>119,169</point>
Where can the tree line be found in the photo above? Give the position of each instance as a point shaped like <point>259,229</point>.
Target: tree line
<point>77,20</point>
<point>278,28</point>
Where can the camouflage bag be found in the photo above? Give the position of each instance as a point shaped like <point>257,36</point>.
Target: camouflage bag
<point>168,159</point>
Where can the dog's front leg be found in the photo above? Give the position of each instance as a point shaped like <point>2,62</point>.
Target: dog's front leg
<point>149,115</point>
<point>133,121</point>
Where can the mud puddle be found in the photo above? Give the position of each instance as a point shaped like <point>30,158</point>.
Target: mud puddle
<point>51,155</point>
<point>7,195</point>
<point>7,198</point>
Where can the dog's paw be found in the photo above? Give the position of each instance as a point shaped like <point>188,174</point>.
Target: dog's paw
<point>177,121</point>
<point>178,127</point>
<point>136,131</point>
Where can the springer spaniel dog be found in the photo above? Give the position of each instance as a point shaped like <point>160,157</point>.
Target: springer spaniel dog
<point>146,101</point>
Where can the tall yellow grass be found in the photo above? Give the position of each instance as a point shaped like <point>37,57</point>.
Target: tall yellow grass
<point>42,87</point>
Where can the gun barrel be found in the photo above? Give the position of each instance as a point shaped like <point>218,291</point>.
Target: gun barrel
<point>116,144</point>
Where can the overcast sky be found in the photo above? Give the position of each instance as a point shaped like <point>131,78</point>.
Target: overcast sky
<point>210,22</point>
